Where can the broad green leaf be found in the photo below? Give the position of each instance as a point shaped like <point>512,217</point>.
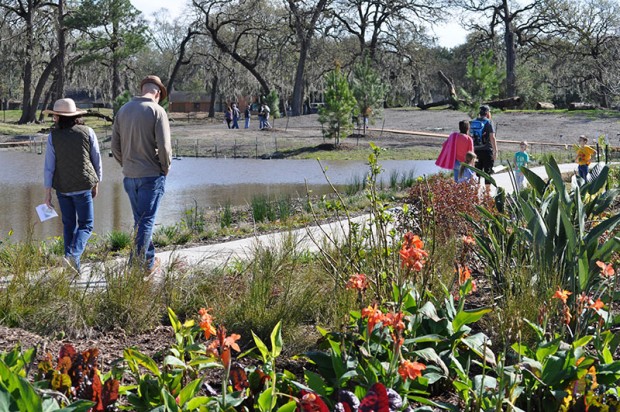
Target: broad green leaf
<point>430,355</point>
<point>547,349</point>
<point>536,183</point>
<point>197,402</point>
<point>174,361</point>
<point>189,391</point>
<point>468,316</point>
<point>169,401</point>
<point>598,230</point>
<point>174,320</point>
<point>142,360</point>
<point>288,407</point>
<point>484,383</point>
<point>78,406</point>
<point>316,382</point>
<point>264,400</point>
<point>276,340</point>
<point>583,341</point>
<point>261,347</point>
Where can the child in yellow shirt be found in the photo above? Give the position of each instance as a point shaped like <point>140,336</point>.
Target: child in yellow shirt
<point>584,156</point>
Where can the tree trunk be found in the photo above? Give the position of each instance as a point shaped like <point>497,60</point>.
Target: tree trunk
<point>116,75</point>
<point>38,91</point>
<point>582,106</point>
<point>298,88</point>
<point>59,90</point>
<point>511,52</point>
<point>505,103</point>
<point>27,110</point>
<point>545,106</point>
<point>46,101</point>
<point>180,62</point>
<point>214,83</point>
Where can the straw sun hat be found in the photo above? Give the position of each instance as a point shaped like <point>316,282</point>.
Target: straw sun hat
<point>157,82</point>
<point>65,107</point>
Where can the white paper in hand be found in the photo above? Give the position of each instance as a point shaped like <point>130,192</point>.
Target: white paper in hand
<point>45,212</point>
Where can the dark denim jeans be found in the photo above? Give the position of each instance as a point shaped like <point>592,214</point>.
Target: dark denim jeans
<point>144,193</point>
<point>77,220</point>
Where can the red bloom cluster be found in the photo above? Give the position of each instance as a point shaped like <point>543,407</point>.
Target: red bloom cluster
<point>412,253</point>
<point>358,281</point>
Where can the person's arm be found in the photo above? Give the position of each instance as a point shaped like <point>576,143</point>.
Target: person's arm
<point>164,145</point>
<point>48,170</point>
<point>115,143</point>
<point>95,159</point>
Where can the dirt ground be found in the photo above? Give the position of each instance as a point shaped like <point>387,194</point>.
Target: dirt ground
<point>535,127</point>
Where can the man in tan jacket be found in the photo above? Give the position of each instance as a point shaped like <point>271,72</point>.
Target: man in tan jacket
<point>141,145</point>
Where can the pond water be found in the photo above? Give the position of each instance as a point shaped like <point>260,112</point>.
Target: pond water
<point>209,183</point>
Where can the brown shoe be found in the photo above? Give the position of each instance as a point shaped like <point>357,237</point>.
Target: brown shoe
<point>154,269</point>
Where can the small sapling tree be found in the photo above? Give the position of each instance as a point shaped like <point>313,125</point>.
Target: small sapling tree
<point>340,103</point>
<point>368,90</point>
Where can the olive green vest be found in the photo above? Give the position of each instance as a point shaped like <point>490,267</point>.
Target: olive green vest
<point>74,170</point>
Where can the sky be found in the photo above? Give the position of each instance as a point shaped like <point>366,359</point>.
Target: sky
<point>449,35</point>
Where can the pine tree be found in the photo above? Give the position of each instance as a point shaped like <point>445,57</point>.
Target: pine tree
<point>340,103</point>
<point>369,91</point>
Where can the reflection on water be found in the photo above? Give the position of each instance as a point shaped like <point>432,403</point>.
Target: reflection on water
<point>210,183</point>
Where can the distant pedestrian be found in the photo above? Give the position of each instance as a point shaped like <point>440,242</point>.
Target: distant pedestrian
<point>522,158</point>
<point>236,114</point>
<point>455,148</point>
<point>265,111</point>
<point>141,145</point>
<point>584,156</point>
<point>73,168</point>
<point>247,115</point>
<point>228,116</point>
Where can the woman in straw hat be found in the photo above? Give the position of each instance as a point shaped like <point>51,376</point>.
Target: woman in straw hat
<point>73,168</point>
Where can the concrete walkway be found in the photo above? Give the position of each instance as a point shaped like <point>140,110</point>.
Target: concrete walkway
<point>306,239</point>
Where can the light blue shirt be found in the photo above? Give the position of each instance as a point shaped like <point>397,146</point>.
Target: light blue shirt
<point>50,161</point>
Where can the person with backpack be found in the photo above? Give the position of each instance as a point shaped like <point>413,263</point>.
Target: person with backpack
<point>236,114</point>
<point>482,131</point>
<point>455,148</point>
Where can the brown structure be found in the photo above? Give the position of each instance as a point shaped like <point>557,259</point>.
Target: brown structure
<point>187,102</point>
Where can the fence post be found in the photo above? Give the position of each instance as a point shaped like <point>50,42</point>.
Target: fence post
<point>216,150</point>
<point>235,149</point>
<point>196,148</point>
<point>275,138</point>
<point>598,155</point>
<point>256,148</point>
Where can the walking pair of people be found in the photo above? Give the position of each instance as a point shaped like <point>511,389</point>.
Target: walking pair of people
<point>141,145</point>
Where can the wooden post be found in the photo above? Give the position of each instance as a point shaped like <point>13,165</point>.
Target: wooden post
<point>256,148</point>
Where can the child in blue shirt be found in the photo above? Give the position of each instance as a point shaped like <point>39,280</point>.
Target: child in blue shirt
<point>522,158</point>
<point>466,174</point>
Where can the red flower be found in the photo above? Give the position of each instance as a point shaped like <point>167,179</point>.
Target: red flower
<point>410,370</point>
<point>373,315</point>
<point>606,270</point>
<point>206,322</point>
<point>562,294</point>
<point>358,281</point>
<point>599,304</point>
<point>311,402</point>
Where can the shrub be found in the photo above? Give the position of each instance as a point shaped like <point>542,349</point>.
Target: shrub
<point>439,204</point>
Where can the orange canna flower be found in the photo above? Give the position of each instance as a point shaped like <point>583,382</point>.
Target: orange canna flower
<point>206,322</point>
<point>221,346</point>
<point>412,241</point>
<point>412,257</point>
<point>464,274</point>
<point>597,305</point>
<point>562,294</point>
<point>394,320</point>
<point>566,315</point>
<point>373,315</point>
<point>468,240</point>
<point>606,270</point>
<point>358,281</point>
<point>410,370</point>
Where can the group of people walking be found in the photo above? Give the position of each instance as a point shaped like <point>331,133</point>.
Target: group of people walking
<point>232,114</point>
<point>474,145</point>
<point>140,144</point>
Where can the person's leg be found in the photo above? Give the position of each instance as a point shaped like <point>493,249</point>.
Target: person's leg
<point>148,194</point>
<point>583,171</point>
<point>247,122</point>
<point>69,225</point>
<point>457,168</point>
<point>519,178</point>
<point>85,219</point>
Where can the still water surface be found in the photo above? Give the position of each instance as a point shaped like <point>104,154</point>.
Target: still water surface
<point>211,183</point>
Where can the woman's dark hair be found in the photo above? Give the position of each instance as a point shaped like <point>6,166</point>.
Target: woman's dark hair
<point>464,126</point>
<point>66,122</point>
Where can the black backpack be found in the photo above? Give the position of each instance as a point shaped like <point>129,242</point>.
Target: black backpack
<point>476,131</point>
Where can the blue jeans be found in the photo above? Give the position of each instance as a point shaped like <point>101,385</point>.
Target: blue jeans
<point>144,193</point>
<point>583,171</point>
<point>247,122</point>
<point>77,220</point>
<point>456,170</point>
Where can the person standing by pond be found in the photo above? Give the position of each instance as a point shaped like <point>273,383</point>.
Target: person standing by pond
<point>455,148</point>
<point>73,169</point>
<point>247,115</point>
<point>236,114</point>
<point>141,145</point>
<point>584,157</point>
